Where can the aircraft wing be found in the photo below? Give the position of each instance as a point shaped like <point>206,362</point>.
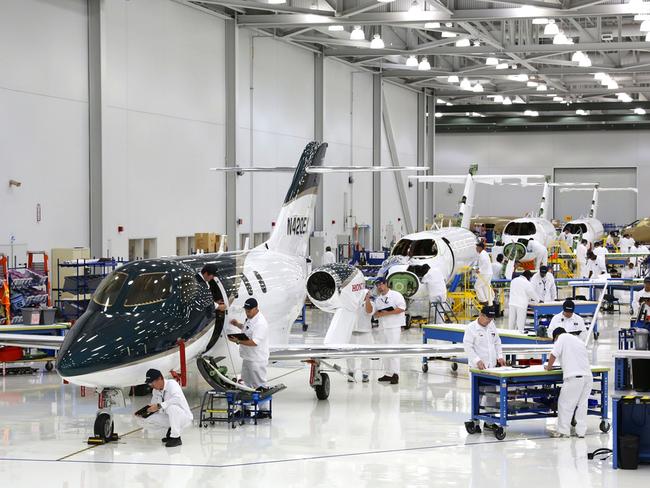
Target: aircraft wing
<point>303,352</point>
<point>31,340</point>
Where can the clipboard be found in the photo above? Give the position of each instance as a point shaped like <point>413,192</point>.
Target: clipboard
<point>143,412</point>
<point>239,337</point>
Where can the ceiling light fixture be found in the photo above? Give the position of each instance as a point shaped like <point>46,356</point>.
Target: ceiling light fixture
<point>507,101</point>
<point>531,113</point>
<point>551,28</point>
<point>465,84</point>
<point>639,111</point>
<point>501,66</point>
<point>498,98</point>
<point>452,79</point>
<point>478,88</point>
<point>440,100</point>
<point>377,42</point>
<point>335,28</point>
<point>357,34</point>
<point>540,21</point>
<point>448,34</point>
<point>463,43</point>
<point>600,76</point>
<point>542,87</point>
<point>612,85</point>
<point>645,26</point>
<point>581,112</point>
<point>412,61</point>
<point>561,38</point>
<point>491,61</point>
<point>624,97</point>
<point>277,2</point>
<point>385,1</point>
<point>531,84</point>
<point>432,25</point>
<point>439,114</point>
<point>558,99</point>
<point>424,65</point>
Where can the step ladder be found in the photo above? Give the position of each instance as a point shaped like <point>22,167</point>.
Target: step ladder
<point>444,310</point>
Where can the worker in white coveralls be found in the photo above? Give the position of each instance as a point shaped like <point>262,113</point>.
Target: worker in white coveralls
<point>522,292</point>
<point>388,308</point>
<point>482,286</point>
<point>436,287</point>
<point>168,408</point>
<point>577,382</point>
<point>568,320</point>
<point>361,334</point>
<point>539,252</point>
<point>544,284</point>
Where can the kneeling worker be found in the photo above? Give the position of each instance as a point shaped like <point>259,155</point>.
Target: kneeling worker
<point>568,320</point>
<point>482,343</point>
<point>169,406</point>
<point>577,382</point>
<point>254,351</point>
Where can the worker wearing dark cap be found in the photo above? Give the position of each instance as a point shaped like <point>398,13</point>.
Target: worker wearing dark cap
<point>207,274</point>
<point>568,320</point>
<point>168,406</point>
<point>482,342</point>
<point>544,284</point>
<point>254,351</point>
<point>641,297</point>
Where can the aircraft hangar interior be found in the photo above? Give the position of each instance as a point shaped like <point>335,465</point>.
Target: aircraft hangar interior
<point>323,243</point>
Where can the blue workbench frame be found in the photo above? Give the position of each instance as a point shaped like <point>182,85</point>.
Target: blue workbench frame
<point>504,384</point>
<point>617,412</point>
<point>540,310</point>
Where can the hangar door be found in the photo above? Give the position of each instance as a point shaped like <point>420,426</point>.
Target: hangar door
<point>613,207</point>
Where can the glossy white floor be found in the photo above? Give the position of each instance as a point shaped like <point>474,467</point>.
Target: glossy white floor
<point>373,434</point>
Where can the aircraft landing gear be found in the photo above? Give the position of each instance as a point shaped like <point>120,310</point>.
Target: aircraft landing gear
<point>104,426</point>
<point>319,381</point>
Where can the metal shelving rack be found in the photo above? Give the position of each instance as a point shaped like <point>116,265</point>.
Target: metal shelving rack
<point>29,286</point>
<point>5,300</point>
<point>88,274</point>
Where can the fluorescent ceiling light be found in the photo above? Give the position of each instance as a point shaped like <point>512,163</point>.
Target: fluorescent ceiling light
<point>498,98</point>
<point>476,44</point>
<point>522,78</point>
<point>577,56</point>
<point>612,85</point>
<point>551,28</point>
<point>585,62</point>
<point>385,1</point>
<point>440,100</point>
<point>448,34</point>
<point>335,28</point>
<point>412,61</point>
<point>558,99</point>
<point>432,25</point>
<point>449,104</point>
<point>645,26</point>
<point>491,61</point>
<point>357,34</point>
<point>439,114</point>
<point>277,2</point>
<point>624,97</point>
<point>463,43</point>
<point>531,113</point>
<point>452,79</point>
<point>532,84</point>
<point>449,24</point>
<point>377,42</point>
<point>600,76</point>
<point>501,66</point>
<point>580,112</point>
<point>542,87</point>
<point>478,88</point>
<point>507,101</point>
<point>424,65</point>
<point>639,111</point>
<point>518,99</point>
<point>540,21</point>
<point>560,38</point>
<point>465,84</point>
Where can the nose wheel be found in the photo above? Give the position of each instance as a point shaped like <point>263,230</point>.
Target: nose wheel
<point>104,427</point>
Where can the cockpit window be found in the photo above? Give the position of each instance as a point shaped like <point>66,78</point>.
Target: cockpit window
<point>419,248</point>
<point>148,288</point>
<point>575,228</point>
<point>109,289</point>
<point>520,229</point>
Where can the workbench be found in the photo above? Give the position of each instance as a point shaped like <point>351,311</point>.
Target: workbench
<point>583,308</point>
<point>630,415</point>
<point>455,333</point>
<point>524,394</point>
<point>613,284</point>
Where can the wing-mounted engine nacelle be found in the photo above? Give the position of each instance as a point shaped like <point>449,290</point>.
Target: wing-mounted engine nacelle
<point>336,286</point>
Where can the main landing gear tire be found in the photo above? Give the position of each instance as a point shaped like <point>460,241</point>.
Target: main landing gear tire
<point>323,390</point>
<point>49,366</point>
<point>103,426</point>
<point>500,433</point>
<point>604,426</point>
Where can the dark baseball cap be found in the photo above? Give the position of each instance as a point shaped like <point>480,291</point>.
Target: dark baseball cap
<point>152,375</point>
<point>250,304</point>
<point>379,280</point>
<point>210,269</point>
<point>489,311</point>
<point>646,279</point>
<point>543,269</point>
<point>568,306</point>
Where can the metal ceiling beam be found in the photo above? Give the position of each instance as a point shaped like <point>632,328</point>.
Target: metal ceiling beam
<point>530,3</point>
<point>360,9</point>
<point>534,48</point>
<point>549,119</point>
<point>539,107</point>
<point>455,91</point>
<point>491,72</point>
<point>269,7</point>
<point>319,18</point>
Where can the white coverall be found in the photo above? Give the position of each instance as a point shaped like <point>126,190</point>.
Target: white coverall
<point>482,286</point>
<point>539,251</point>
<point>577,383</point>
<point>255,358</point>
<point>482,344</point>
<point>362,334</point>
<point>581,258</point>
<point>175,413</point>
<point>436,286</point>
<point>328,257</point>
<point>391,325</point>
<point>625,244</point>
<point>522,292</point>
<point>575,323</point>
<point>636,306</point>
<point>545,286</point>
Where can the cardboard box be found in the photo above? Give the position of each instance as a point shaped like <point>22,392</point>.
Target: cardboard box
<point>206,241</point>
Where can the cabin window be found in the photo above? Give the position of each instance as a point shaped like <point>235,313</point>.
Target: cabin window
<point>520,229</point>
<point>402,247</point>
<point>109,289</point>
<point>575,228</point>
<point>260,281</point>
<point>148,288</point>
<point>247,284</point>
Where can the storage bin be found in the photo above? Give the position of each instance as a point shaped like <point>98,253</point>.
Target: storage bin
<point>628,446</point>
<point>31,316</point>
